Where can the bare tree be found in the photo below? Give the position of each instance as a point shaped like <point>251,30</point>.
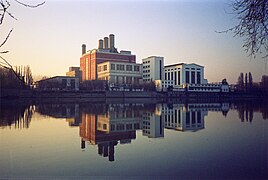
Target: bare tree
<point>252,26</point>
<point>4,11</point>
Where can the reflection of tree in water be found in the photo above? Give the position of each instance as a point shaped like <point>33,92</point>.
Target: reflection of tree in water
<point>246,108</point>
<point>16,114</point>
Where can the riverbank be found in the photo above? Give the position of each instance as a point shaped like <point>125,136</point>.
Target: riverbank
<point>31,94</point>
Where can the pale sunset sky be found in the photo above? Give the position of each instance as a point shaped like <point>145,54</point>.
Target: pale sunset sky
<point>49,38</point>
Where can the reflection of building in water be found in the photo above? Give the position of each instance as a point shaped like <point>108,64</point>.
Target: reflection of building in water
<point>153,125</point>
<point>189,117</point>
<point>106,129</point>
<point>68,111</point>
<point>180,118</point>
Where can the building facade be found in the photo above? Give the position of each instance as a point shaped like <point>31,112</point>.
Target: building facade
<point>184,74</point>
<point>105,52</point>
<point>120,72</point>
<point>74,72</point>
<point>152,68</point>
<point>58,83</point>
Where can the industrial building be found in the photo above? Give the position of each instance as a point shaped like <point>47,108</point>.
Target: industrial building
<point>120,72</point>
<point>74,72</point>
<point>59,83</point>
<point>106,52</point>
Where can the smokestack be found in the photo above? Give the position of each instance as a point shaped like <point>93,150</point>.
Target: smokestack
<point>100,44</point>
<point>106,43</point>
<point>83,49</point>
<point>111,41</point>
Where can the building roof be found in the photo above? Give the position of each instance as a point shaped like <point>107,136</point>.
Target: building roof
<point>55,77</point>
<point>178,64</point>
<point>152,57</point>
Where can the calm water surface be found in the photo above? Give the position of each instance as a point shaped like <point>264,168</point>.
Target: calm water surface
<point>134,140</point>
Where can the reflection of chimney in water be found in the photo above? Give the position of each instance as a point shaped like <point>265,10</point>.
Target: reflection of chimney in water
<point>100,149</point>
<point>83,144</point>
<point>111,151</point>
<point>106,43</point>
<point>105,151</point>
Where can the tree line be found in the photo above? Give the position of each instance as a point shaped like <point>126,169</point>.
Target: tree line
<point>20,77</point>
<point>245,83</point>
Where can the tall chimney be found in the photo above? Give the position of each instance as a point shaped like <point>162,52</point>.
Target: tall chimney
<point>100,44</point>
<point>106,43</point>
<point>111,41</point>
<point>83,49</point>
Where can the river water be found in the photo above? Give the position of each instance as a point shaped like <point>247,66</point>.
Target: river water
<point>226,140</point>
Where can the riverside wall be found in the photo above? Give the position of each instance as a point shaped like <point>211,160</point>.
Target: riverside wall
<point>102,95</point>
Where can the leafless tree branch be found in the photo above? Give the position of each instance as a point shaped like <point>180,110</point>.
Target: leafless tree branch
<point>6,38</point>
<point>252,26</point>
<point>30,6</point>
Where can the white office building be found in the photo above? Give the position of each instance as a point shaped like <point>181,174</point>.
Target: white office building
<point>152,68</point>
<point>183,73</point>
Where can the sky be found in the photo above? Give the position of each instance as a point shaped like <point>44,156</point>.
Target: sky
<point>49,38</point>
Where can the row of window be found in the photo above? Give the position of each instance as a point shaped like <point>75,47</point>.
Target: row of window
<point>123,127</point>
<point>145,62</point>
<point>176,76</point>
<point>125,80</point>
<point>147,80</point>
<point>146,71</point>
<point>146,75</point>
<point>148,66</point>
<point>122,67</point>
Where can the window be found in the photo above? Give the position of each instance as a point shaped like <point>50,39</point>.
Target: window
<point>136,80</point>
<point>129,67</point>
<point>187,118</point>
<point>193,117</point>
<point>118,67</point>
<point>99,69</point>
<point>105,68</point>
<point>112,66</point>
<point>136,68</point>
<point>112,127</point>
<point>171,75</point>
<point>129,80</point>
<point>128,126</point>
<point>179,116</point>
<point>193,77</point>
<point>168,75</point>
<point>136,126</point>
<point>179,77</point>
<point>199,117</point>
<point>160,69</point>
<point>165,76</point>
<point>120,127</point>
<point>187,76</point>
<point>198,78</point>
<point>175,78</point>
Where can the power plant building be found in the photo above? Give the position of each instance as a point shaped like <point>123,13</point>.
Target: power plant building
<point>106,52</point>
<point>117,73</point>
